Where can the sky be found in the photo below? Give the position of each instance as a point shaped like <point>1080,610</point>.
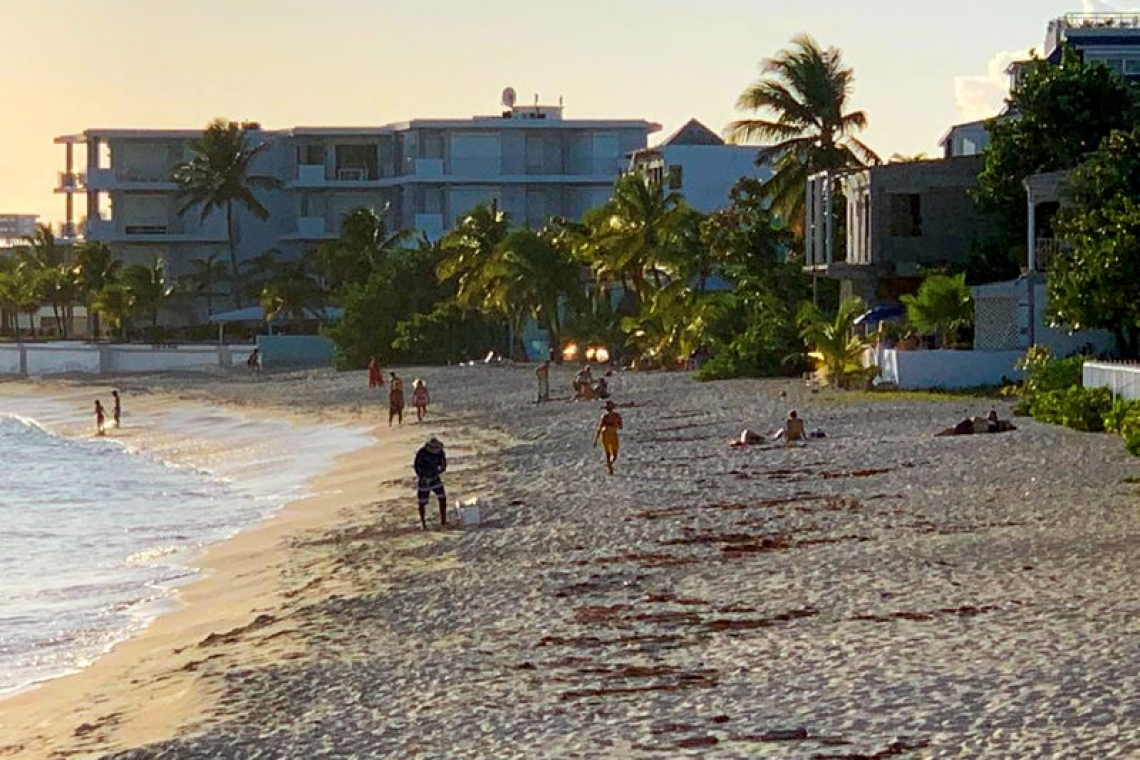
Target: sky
<point>70,65</point>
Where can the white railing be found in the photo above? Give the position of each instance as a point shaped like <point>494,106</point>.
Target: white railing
<point>1122,379</point>
<point>352,175</point>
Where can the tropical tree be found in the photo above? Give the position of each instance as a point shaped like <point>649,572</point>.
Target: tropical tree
<point>96,268</point>
<point>50,267</point>
<point>803,93</point>
<point>149,288</point>
<point>835,346</point>
<point>469,249</point>
<point>114,303</point>
<point>292,291</point>
<point>530,273</point>
<point>363,247</point>
<point>942,306</point>
<point>202,280</point>
<point>632,238</point>
<point>1094,282</point>
<point>217,178</point>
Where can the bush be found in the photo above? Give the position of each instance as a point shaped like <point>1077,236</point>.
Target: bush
<point>1077,408</point>
<point>1044,373</point>
<point>1122,417</point>
<point>1132,443</point>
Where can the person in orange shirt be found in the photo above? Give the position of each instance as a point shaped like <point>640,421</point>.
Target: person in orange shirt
<point>607,432</point>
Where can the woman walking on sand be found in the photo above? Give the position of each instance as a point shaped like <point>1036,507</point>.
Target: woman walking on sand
<point>420,399</point>
<point>375,374</point>
<point>607,431</point>
<point>395,399</point>
<point>100,418</point>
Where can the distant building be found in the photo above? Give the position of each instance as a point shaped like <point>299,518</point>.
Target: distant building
<point>901,219</point>
<point>427,173</point>
<point>15,227</point>
<point>1109,38</point>
<point>968,139</point>
<point>697,163</point>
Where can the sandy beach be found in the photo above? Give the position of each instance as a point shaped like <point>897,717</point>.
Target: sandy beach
<point>878,593</point>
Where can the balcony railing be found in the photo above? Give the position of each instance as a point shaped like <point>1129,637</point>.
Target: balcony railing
<point>71,180</point>
<point>1046,249</point>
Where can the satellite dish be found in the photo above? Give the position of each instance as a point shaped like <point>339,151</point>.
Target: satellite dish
<point>509,97</point>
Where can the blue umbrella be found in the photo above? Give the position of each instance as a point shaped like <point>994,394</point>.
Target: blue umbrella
<point>883,313</point>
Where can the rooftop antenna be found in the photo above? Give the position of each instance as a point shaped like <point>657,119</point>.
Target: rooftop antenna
<point>536,104</point>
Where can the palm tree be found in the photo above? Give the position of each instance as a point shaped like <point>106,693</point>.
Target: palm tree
<point>218,176</point>
<point>50,266</point>
<point>205,274</point>
<point>530,274</point>
<point>115,303</point>
<point>364,246</point>
<point>835,346</point>
<point>469,249</point>
<point>96,268</point>
<point>292,290</point>
<point>149,288</point>
<point>942,306</point>
<point>632,237</point>
<point>805,89</point>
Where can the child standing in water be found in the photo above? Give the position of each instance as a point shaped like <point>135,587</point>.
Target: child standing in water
<point>99,419</point>
<point>420,399</point>
<point>607,431</point>
<point>117,410</point>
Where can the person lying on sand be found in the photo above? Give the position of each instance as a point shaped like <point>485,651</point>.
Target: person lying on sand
<point>747,438</point>
<point>971,425</point>
<point>792,432</point>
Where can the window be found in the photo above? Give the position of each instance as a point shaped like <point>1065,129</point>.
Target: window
<point>311,155</point>
<point>906,214</point>
<point>676,178</point>
<point>1132,66</point>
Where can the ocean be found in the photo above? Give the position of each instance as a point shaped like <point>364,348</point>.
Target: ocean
<point>96,537</point>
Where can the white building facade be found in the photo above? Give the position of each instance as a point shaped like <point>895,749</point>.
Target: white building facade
<point>425,173</point>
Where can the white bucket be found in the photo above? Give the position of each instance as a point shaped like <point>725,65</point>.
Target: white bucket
<point>469,512</point>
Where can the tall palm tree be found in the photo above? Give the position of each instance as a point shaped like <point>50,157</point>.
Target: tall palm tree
<point>149,288</point>
<point>293,291</point>
<point>804,91</point>
<point>470,248</point>
<point>114,303</point>
<point>96,268</point>
<point>218,177</point>
<point>632,237</point>
<point>531,275</point>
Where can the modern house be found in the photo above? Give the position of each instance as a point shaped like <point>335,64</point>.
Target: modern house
<point>1109,38</point>
<point>967,139</point>
<point>901,218</point>
<point>425,173</point>
<point>695,162</point>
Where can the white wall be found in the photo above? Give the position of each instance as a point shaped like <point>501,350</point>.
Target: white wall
<point>60,358</point>
<point>708,172</point>
<point>914,370</point>
<point>1122,379</point>
<point>125,359</point>
<point>10,356</point>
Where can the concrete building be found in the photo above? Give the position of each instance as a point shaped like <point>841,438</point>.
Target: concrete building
<point>427,173</point>
<point>697,163</point>
<point>1109,38</point>
<point>900,218</point>
<point>15,227</point>
<point>967,139</point>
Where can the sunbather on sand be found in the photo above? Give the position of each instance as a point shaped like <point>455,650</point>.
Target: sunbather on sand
<point>792,432</point>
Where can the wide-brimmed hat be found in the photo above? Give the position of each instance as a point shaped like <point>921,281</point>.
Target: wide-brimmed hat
<point>434,445</point>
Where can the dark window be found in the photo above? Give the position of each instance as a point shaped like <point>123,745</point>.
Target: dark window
<point>311,155</point>
<point>676,178</point>
<point>906,215</point>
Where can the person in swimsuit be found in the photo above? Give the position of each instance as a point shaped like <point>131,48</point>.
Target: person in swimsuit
<point>793,430</point>
<point>543,375</point>
<point>420,399</point>
<point>395,398</point>
<point>375,375</point>
<point>607,432</point>
<point>117,410</point>
<point>100,418</point>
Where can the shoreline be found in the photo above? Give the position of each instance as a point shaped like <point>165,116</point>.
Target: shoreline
<point>152,684</point>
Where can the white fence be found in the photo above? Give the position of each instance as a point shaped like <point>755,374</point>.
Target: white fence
<point>69,357</point>
<point>916,370</point>
<point>1122,379</point>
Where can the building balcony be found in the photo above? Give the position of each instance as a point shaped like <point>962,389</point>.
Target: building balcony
<point>127,180</point>
<point>318,175</point>
<point>177,231</point>
<point>1045,251</point>
<point>71,182</point>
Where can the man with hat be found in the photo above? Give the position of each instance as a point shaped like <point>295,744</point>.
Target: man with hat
<point>430,464</point>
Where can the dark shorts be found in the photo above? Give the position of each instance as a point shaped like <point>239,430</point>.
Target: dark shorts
<point>427,486</point>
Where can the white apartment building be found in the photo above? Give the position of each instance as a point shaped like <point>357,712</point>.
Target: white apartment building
<point>427,173</point>
<point>15,227</point>
<point>697,163</point>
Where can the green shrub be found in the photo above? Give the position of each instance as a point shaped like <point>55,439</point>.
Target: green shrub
<point>1132,443</point>
<point>1123,416</point>
<point>1044,373</point>
<point>1077,408</point>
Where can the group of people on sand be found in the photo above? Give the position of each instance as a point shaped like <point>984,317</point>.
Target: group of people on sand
<point>972,425</point>
<point>793,433</point>
<point>396,399</point>
<point>101,415</point>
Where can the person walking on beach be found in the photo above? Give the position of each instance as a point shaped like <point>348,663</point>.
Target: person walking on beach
<point>607,431</point>
<point>375,375</point>
<point>100,418</point>
<point>430,464</point>
<point>420,399</point>
<point>254,360</point>
<point>395,398</point>
<point>543,375</point>
<point>117,410</point>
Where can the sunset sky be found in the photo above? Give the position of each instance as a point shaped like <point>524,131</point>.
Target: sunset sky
<point>68,65</point>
